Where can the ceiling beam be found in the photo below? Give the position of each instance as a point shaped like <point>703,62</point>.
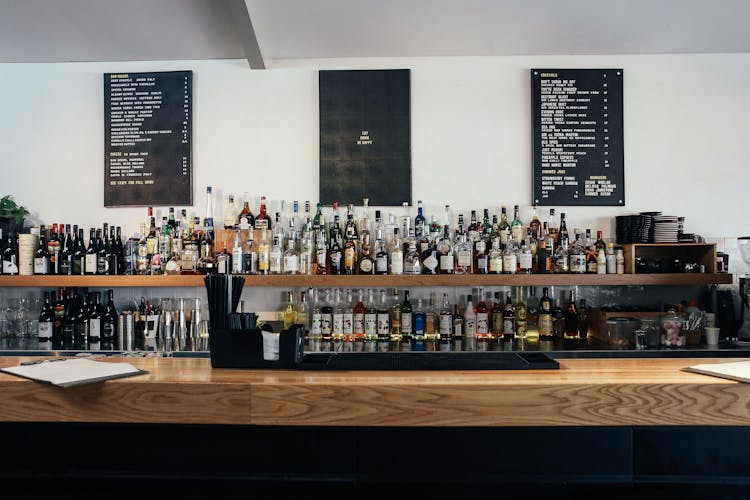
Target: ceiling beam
<point>243,25</point>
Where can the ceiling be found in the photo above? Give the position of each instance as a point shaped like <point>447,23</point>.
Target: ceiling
<point>262,30</point>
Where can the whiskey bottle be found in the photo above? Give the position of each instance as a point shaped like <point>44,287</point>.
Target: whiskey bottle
<point>525,259</point>
<point>570,316</point>
<point>509,320</point>
<point>516,226</point>
<point>521,312</point>
<point>503,227</point>
<point>535,225</point>
<point>497,317</point>
<point>463,253</point>
<point>546,331</point>
<point>445,252</point>
<point>496,257</point>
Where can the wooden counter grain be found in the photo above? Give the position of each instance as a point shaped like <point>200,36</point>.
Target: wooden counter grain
<point>583,392</point>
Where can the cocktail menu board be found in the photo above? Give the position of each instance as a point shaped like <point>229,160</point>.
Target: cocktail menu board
<point>147,139</point>
<point>577,137</point>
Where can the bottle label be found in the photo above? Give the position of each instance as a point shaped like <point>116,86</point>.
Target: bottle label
<point>384,325</point>
<point>463,258</point>
<point>446,262</point>
<point>41,265</point>
<point>338,324</point>
<point>497,323</point>
<point>406,323</point>
<point>419,325</point>
<point>44,331</point>
<point>291,264</point>
<point>496,264</point>
<point>326,324</point>
<point>509,263</point>
<point>221,266</point>
<point>315,326</point>
<point>365,266</point>
<point>482,263</point>
<point>263,256</point>
<point>381,264</point>
<point>371,325</point>
<point>95,328</point>
<point>480,246</point>
<point>237,262</point>
<point>349,258</point>
<point>525,261</point>
<point>578,263</point>
<point>431,263</point>
<point>348,329</point>
<point>591,266</point>
<point>545,324</point>
<point>10,266</point>
<point>397,262</point>
<point>274,261</point>
<point>359,324</point>
<point>509,326</point>
<point>471,327</point>
<point>482,323</point>
<point>446,321</point>
<point>516,232</point>
<point>458,328</point>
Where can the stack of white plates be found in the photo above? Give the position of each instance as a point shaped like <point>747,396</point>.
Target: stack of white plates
<point>666,229</point>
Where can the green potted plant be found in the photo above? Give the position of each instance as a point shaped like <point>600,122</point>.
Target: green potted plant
<point>11,215</point>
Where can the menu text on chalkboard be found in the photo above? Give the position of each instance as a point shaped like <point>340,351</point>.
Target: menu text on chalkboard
<point>577,137</point>
<point>147,139</point>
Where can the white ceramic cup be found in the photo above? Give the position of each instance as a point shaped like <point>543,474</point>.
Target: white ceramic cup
<point>712,335</point>
<point>270,346</point>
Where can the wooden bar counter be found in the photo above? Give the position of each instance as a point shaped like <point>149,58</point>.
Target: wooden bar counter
<point>583,392</point>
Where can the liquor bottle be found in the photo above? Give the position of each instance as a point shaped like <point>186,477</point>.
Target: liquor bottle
<point>291,259</point>
<point>601,261</point>
<point>525,259</point>
<point>531,242</point>
<point>206,263</point>
<point>238,262</point>
<point>546,331</point>
<point>101,253</point>
<point>79,252</point>
<point>462,250</point>
<point>431,323</point>
<point>445,252</point>
<point>58,307</point>
<point>470,325</point>
<point>486,226</point>
<point>109,323</point>
<point>371,322</point>
<point>495,257</point>
<point>264,251</point>
<point>396,254</point>
<point>395,319</point>
<point>315,337</point>
<point>10,254</point>
<point>223,260</point>
<point>521,313</point>
<point>560,262</point>
<point>321,260</point>
<point>591,253</point>
<point>510,258</point>
<point>231,214</point>
<point>45,325</point>
<point>41,256</point>
<point>208,220</point>
<point>155,266</point>
<point>246,217</point>
<point>383,322</point>
<point>358,318</point>
<point>457,338</point>
<point>483,333</point>
<point>81,324</point>
<point>445,328</point>
<point>263,220</point>
<point>348,321</point>
<point>326,322</point>
<point>481,257</point>
<point>290,311</point>
<point>406,320</point>
<point>95,321</point>
<point>577,257</point>
<point>497,317</point>
<point>509,319</point>
<point>117,263</point>
<point>532,315</point>
<point>68,320</point>
<point>419,320</point>
<point>335,252</point>
<point>303,313</point>
<point>571,318</point>
<point>543,258</point>
<point>53,248</point>
<point>516,226</point>
<point>562,232</point>
<point>552,225</point>
<point>535,225</point>
<point>420,223</point>
<point>66,253</point>
<point>366,264</point>
<point>558,320</point>
<point>503,227</point>
<point>381,252</point>
<point>112,255</point>
<point>434,228</point>
<point>611,265</point>
<point>412,263</point>
<point>472,232</point>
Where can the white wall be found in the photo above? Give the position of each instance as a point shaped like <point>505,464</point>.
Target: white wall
<point>686,135</point>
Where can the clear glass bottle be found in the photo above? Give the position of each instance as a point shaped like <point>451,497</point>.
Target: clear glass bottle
<point>238,262</point>
<point>445,252</point>
<point>611,259</point>
<point>412,263</point>
<point>525,259</point>
<point>275,256</point>
<point>462,253</point>
<point>445,325</point>
<point>264,252</point>
<point>383,322</point>
<point>496,257</point>
<point>291,258</point>
<point>371,322</point>
<point>470,325</point>
<point>510,258</point>
<point>521,311</point>
<point>560,262</point>
<point>315,336</point>
<point>291,310</point>
<point>231,213</point>
<point>396,254</point>
<point>577,257</point>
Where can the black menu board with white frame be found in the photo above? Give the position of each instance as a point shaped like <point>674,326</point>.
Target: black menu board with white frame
<point>577,137</point>
<point>365,136</point>
<point>147,139</point>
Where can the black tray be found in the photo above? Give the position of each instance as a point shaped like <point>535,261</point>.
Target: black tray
<point>427,361</point>
<point>244,348</point>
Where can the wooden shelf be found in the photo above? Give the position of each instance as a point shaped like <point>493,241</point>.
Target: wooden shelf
<point>377,281</point>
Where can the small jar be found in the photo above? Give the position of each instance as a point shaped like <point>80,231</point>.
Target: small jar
<point>673,334</point>
<point>620,260</point>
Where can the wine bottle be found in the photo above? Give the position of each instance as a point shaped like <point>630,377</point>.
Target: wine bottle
<point>81,324</point>
<point>95,321</point>
<point>41,256</point>
<point>109,331</point>
<point>45,326</point>
<point>66,253</point>
<point>79,253</point>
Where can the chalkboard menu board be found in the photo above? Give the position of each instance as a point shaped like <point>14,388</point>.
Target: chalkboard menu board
<point>577,149</point>
<point>147,139</point>
<point>365,137</point>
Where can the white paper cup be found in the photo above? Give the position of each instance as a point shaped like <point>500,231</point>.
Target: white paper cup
<point>712,335</point>
<point>270,346</point>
